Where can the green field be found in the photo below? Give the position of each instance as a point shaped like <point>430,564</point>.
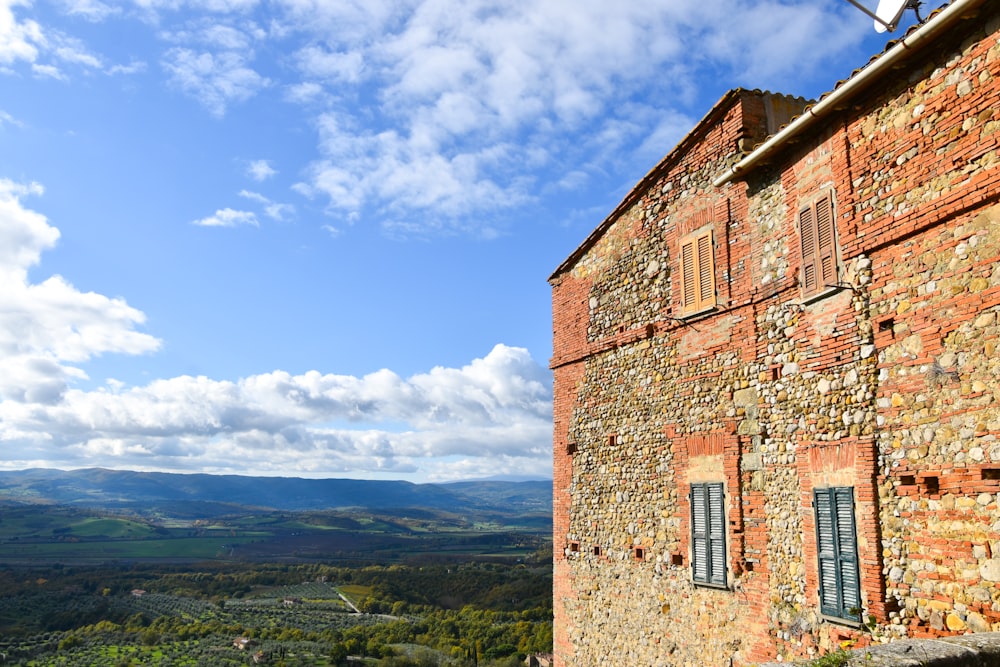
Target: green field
<point>184,548</point>
<point>39,533</point>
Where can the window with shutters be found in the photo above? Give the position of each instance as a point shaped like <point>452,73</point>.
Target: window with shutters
<point>697,272</point>
<point>708,534</point>
<point>817,236</point>
<point>837,553</point>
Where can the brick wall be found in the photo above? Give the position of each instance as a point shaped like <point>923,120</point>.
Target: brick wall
<point>887,382</point>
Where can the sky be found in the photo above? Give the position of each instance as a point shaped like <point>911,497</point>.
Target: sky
<point>312,238</point>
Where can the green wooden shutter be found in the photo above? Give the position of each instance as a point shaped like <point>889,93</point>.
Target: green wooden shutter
<point>847,556</point>
<point>716,535</point>
<point>837,552</point>
<point>708,534</point>
<point>699,533</point>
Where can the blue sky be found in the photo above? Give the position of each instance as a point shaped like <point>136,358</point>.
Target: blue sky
<point>311,238</point>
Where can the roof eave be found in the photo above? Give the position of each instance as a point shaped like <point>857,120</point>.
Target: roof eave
<point>839,97</point>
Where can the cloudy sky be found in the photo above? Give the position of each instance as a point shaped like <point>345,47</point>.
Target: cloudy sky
<point>312,237</point>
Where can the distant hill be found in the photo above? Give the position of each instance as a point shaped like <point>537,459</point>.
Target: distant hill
<point>101,488</point>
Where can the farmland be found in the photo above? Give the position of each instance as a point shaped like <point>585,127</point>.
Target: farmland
<point>30,534</point>
<point>461,612</point>
<point>115,587</point>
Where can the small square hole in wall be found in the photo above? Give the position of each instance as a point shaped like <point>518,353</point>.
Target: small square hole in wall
<point>991,473</point>
<point>640,553</point>
<point>571,448</point>
<point>612,439</point>
<point>930,484</point>
<point>574,547</point>
<point>596,550</point>
<point>677,559</point>
<point>907,480</point>
<point>887,324</point>
<point>775,373</point>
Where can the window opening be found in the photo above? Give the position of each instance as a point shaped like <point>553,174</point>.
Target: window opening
<point>708,534</point>
<point>837,553</point>
<point>818,244</point>
<point>697,273</point>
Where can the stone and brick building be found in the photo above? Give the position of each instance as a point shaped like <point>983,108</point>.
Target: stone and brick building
<point>777,374</point>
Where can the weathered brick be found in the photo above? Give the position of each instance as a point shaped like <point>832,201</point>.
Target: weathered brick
<point>887,383</point>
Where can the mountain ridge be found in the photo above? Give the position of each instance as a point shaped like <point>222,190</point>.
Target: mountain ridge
<point>102,487</point>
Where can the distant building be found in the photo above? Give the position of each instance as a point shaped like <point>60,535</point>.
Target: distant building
<point>242,643</point>
<point>776,362</point>
<point>539,660</point>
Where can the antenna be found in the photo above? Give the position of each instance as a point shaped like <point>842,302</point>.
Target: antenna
<point>888,13</point>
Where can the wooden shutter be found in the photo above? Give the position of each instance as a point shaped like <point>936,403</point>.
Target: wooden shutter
<point>716,535</point>
<point>807,234</point>
<point>817,236</point>
<point>688,273</point>
<point>697,273</point>
<point>708,534</point>
<point>837,552</point>
<point>847,554</point>
<point>706,272</point>
<point>699,532</point>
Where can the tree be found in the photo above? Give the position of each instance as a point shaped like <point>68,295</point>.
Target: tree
<point>337,654</point>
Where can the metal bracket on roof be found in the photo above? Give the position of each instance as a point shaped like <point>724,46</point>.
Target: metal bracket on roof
<point>889,12</point>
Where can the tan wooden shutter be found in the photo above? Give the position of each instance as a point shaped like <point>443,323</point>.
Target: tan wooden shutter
<point>817,234</point>
<point>706,272</point>
<point>697,273</point>
<point>807,234</point>
<point>825,248</point>
<point>687,276</point>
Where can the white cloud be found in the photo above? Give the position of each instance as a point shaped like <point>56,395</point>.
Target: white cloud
<point>469,93</point>
<point>228,217</point>
<point>134,67</point>
<point>19,40</point>
<point>92,10</point>
<point>317,62</point>
<point>273,210</point>
<point>254,196</point>
<point>302,93</point>
<point>7,119</point>
<point>440,116</point>
<point>215,80</point>
<point>47,327</point>
<point>48,71</point>
<point>260,170</point>
<point>72,52</point>
<point>495,409</point>
<point>25,41</point>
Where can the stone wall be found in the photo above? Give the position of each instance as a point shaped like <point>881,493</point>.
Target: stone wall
<point>887,382</point>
